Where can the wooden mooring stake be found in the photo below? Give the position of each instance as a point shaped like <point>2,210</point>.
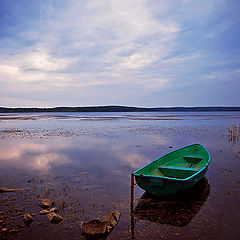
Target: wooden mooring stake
<point>132,192</point>
<point>131,206</point>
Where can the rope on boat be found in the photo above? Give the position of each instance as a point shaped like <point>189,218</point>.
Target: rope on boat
<point>141,175</point>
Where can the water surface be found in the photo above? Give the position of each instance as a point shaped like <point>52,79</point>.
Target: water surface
<point>83,161</point>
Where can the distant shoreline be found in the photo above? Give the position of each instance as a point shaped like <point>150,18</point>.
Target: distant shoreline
<point>120,109</point>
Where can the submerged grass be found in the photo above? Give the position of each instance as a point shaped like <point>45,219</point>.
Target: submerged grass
<point>234,133</point>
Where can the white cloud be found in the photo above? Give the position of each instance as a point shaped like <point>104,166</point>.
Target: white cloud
<point>8,70</point>
<point>34,70</point>
<point>37,59</point>
<point>41,60</point>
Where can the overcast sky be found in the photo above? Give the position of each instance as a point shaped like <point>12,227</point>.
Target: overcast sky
<point>112,52</point>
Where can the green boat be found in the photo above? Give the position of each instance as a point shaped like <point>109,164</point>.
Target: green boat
<point>175,171</point>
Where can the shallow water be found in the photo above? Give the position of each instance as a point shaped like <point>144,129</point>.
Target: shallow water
<point>83,161</point>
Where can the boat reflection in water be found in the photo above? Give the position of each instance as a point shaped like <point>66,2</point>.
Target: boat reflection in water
<point>176,209</point>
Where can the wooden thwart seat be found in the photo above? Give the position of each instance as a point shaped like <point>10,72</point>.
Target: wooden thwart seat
<point>192,158</point>
<point>178,168</point>
<point>177,172</point>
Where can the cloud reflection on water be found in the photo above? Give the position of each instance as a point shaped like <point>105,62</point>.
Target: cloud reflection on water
<point>37,156</point>
<point>108,153</point>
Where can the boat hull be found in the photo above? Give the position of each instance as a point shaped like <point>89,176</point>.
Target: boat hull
<point>163,185</point>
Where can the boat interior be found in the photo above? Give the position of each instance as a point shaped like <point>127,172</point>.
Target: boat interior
<point>181,167</point>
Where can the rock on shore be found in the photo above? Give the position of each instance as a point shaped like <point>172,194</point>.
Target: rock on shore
<point>102,226</point>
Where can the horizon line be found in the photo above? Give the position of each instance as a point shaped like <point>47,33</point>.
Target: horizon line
<point>90,106</point>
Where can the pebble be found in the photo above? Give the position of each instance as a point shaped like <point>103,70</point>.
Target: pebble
<point>46,203</point>
<point>27,219</point>
<point>46,211</point>
<point>54,218</point>
<point>14,230</point>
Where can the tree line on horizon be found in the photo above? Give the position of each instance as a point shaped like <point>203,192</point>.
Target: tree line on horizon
<point>119,109</point>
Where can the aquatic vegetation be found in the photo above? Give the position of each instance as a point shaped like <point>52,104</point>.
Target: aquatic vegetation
<point>234,133</point>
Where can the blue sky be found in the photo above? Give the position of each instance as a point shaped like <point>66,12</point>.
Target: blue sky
<point>128,52</point>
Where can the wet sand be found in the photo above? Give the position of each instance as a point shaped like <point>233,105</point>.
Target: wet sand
<point>84,163</point>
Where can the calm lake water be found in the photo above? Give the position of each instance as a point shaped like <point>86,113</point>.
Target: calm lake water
<point>83,161</point>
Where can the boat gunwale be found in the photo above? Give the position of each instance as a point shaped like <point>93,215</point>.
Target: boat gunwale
<point>172,178</point>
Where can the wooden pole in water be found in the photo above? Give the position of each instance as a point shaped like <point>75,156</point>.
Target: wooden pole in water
<point>132,227</point>
<point>131,205</point>
<point>132,191</point>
